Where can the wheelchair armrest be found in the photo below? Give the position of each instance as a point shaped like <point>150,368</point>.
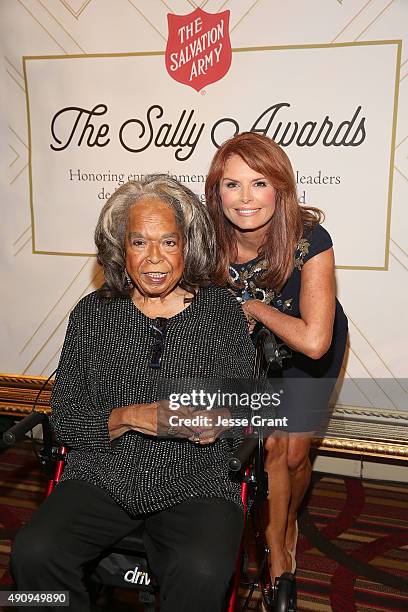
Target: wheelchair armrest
<point>267,345</point>
<point>242,454</point>
<point>18,431</point>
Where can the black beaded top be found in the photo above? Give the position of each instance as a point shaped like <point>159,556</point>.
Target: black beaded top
<point>105,363</point>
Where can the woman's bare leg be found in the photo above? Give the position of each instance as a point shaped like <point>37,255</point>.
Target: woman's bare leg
<point>300,471</point>
<point>276,465</point>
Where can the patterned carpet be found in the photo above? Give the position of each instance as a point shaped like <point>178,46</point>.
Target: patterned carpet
<point>352,551</point>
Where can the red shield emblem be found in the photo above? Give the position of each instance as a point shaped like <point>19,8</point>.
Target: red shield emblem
<point>198,48</point>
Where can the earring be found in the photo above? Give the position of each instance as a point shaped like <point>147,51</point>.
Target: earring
<point>129,281</point>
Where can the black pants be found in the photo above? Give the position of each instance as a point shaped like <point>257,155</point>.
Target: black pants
<point>191,547</point>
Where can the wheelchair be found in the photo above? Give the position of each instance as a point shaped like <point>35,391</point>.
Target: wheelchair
<point>125,565</point>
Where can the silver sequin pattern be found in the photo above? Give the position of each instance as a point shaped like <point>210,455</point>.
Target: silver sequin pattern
<point>105,364</point>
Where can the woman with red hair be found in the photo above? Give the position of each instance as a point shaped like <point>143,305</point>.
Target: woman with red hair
<point>278,260</point>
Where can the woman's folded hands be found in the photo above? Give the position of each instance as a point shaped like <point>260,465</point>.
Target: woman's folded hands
<point>159,419</point>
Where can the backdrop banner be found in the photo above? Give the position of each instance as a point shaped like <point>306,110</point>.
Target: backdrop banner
<point>88,140</point>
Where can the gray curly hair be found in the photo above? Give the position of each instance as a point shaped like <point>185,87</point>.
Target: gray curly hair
<point>191,217</point>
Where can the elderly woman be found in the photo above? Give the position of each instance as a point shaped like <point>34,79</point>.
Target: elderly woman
<point>156,318</point>
<point>278,260</point>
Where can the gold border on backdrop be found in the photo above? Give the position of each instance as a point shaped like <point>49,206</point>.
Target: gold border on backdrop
<point>397,42</point>
<point>18,394</point>
<point>362,448</point>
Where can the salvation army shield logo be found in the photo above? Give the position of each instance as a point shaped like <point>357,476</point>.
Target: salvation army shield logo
<point>198,48</point>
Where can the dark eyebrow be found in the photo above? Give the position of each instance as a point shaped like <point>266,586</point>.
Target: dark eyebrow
<point>258,178</point>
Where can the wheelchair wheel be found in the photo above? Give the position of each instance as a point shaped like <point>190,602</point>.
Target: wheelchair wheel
<point>285,597</point>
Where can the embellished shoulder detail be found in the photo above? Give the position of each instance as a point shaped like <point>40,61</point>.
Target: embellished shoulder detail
<point>314,241</point>
<point>302,250</point>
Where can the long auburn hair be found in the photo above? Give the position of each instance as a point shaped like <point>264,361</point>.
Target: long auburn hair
<point>289,220</point>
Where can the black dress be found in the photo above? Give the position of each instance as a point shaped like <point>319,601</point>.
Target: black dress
<point>307,383</point>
